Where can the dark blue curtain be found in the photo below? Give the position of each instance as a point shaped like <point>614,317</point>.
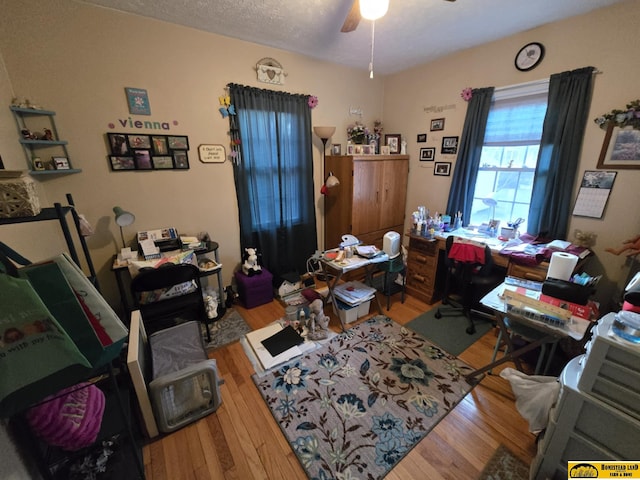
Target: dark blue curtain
<point>274,177</point>
<point>562,135</point>
<point>463,182</point>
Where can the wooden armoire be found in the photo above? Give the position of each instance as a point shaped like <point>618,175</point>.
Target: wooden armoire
<point>370,200</point>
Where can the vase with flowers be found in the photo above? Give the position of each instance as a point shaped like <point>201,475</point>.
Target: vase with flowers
<point>357,133</point>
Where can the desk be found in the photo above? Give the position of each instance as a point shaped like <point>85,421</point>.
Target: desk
<point>337,269</point>
<point>121,271</point>
<point>576,329</point>
<point>424,265</point>
<point>423,262</point>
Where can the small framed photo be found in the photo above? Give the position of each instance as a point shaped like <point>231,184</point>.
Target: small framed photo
<point>159,143</point>
<point>143,159</point>
<point>449,145</point>
<point>180,160</point>
<point>139,141</point>
<point>60,163</point>
<point>164,162</point>
<point>392,140</point>
<point>422,138</point>
<point>358,149</point>
<point>350,149</point>
<point>366,150</point>
<point>178,143</point>
<point>118,144</point>
<point>442,168</point>
<point>437,124</point>
<point>122,163</point>
<point>138,101</point>
<point>385,150</point>
<point>336,149</point>
<point>427,154</point>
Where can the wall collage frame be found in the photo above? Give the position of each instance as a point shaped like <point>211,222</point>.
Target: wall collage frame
<point>132,151</point>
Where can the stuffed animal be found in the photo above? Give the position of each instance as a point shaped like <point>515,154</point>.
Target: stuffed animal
<point>629,247</point>
<point>318,321</point>
<point>250,266</point>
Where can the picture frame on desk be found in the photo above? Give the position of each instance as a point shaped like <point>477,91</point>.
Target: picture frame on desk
<point>336,149</point>
<point>350,149</point>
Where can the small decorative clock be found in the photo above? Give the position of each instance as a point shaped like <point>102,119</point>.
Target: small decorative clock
<point>529,56</point>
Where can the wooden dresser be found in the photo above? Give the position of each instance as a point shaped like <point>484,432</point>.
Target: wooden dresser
<point>422,268</point>
<point>370,200</point>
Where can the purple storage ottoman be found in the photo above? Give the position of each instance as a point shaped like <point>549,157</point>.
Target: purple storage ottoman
<point>255,290</point>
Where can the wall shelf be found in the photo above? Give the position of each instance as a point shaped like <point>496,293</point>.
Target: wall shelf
<point>33,120</point>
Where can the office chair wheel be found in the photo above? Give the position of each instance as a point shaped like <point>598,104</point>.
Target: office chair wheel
<point>471,330</point>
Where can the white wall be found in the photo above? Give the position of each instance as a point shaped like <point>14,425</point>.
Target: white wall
<point>77,59</point>
<point>606,39</point>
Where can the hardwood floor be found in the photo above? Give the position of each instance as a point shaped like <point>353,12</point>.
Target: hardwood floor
<point>241,440</point>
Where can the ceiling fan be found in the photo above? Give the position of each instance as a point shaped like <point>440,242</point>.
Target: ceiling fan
<point>354,17</point>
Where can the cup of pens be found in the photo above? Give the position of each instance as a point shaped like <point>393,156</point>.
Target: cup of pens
<point>457,221</point>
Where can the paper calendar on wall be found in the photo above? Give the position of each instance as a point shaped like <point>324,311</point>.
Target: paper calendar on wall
<point>594,193</point>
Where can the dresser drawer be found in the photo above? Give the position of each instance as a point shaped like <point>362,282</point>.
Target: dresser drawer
<point>425,247</point>
<point>537,273</point>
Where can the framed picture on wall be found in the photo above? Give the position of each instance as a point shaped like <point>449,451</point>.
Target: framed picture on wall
<point>143,159</point>
<point>122,163</point>
<point>422,138</point>
<point>164,162</point>
<point>178,142</point>
<point>159,145</point>
<point>437,124</point>
<point>427,154</point>
<point>620,149</point>
<point>118,144</point>
<point>449,145</point>
<point>139,141</point>
<point>180,160</point>
<point>442,169</point>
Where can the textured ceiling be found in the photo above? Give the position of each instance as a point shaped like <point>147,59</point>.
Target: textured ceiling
<point>412,33</point>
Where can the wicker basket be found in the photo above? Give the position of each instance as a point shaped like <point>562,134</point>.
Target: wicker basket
<point>18,198</point>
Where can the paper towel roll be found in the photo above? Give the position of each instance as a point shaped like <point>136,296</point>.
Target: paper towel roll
<point>562,265</point>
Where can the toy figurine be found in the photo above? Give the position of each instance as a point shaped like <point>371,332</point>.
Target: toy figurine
<point>250,266</point>
<point>629,247</point>
<point>318,324</point>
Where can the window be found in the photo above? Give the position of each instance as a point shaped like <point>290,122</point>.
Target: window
<point>509,154</point>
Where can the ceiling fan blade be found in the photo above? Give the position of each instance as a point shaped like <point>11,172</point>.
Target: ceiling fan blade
<point>353,18</point>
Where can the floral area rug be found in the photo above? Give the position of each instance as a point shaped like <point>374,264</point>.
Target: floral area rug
<point>358,405</point>
<point>504,465</point>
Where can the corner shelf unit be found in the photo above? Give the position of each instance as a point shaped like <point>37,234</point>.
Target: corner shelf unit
<point>34,119</point>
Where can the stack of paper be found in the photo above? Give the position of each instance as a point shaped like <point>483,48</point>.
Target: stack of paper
<point>354,293</point>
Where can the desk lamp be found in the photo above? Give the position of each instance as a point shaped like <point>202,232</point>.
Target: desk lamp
<point>123,219</point>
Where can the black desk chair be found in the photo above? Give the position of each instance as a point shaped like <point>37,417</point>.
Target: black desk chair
<point>169,295</point>
<point>470,276</point>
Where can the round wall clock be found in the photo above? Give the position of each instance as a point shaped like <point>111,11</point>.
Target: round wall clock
<point>529,56</point>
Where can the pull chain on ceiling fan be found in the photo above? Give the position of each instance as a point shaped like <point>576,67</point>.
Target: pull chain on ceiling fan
<point>370,10</point>
<point>373,10</point>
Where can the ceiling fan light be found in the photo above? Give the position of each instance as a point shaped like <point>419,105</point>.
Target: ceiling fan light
<point>373,9</point>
